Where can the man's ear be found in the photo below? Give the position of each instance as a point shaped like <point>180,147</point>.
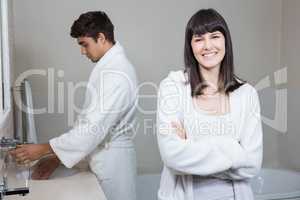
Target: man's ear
<point>101,38</point>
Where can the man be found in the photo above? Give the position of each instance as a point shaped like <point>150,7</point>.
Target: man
<point>104,131</point>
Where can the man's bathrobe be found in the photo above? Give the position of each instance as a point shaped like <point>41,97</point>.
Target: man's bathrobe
<point>105,129</point>
<point>234,155</point>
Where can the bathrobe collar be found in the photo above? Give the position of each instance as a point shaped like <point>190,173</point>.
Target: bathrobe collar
<point>112,52</point>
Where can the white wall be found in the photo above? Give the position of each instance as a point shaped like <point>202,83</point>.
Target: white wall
<point>152,33</point>
<point>289,150</point>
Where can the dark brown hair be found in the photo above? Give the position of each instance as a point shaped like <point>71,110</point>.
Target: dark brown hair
<point>92,23</point>
<point>203,21</point>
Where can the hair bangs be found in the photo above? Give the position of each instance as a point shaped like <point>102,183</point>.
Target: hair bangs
<point>212,26</point>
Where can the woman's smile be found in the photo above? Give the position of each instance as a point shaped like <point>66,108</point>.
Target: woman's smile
<point>209,49</point>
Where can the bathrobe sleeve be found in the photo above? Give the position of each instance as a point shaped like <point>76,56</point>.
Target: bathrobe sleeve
<point>251,141</point>
<point>202,157</point>
<point>109,98</point>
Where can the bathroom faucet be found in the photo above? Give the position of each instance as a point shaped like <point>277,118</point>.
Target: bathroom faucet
<point>7,144</point>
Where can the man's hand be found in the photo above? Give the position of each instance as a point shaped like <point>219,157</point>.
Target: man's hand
<point>26,153</point>
<point>45,168</point>
<point>180,131</point>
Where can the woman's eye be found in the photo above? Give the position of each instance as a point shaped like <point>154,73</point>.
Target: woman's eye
<point>215,36</point>
<point>198,39</point>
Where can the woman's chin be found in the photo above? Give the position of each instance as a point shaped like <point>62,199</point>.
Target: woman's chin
<point>210,66</point>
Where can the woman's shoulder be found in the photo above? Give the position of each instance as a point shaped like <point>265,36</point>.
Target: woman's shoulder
<point>246,89</point>
<point>175,83</point>
<point>178,77</point>
<point>246,93</point>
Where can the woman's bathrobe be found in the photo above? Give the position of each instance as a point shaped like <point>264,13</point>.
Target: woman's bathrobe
<point>237,156</point>
<point>105,129</point>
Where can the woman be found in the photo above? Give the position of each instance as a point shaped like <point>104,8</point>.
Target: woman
<point>209,126</point>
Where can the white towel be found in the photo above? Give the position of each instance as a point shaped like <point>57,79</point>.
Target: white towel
<point>31,131</point>
<point>24,103</point>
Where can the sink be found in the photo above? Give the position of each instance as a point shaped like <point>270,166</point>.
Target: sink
<point>64,183</point>
<point>62,172</point>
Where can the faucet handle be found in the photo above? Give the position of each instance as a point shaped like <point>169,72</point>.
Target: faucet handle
<point>8,143</point>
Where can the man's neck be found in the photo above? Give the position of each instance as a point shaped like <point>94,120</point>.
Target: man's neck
<point>108,46</point>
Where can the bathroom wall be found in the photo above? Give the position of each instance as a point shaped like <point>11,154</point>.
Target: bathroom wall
<point>289,150</point>
<point>152,32</point>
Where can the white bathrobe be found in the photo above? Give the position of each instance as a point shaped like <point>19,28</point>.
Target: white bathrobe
<point>237,157</point>
<point>105,128</point>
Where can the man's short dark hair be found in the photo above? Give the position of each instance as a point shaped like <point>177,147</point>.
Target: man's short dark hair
<point>92,23</point>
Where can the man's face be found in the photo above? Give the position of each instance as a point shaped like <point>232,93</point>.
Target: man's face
<point>94,50</point>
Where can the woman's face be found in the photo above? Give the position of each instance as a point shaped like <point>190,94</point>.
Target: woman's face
<point>209,49</point>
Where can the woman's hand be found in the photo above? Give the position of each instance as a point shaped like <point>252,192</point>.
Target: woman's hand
<point>180,131</point>
<point>26,153</point>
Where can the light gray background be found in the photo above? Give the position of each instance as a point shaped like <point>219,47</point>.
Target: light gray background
<point>265,38</point>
